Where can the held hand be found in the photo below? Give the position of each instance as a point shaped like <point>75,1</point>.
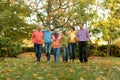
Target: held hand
<point>77,39</point>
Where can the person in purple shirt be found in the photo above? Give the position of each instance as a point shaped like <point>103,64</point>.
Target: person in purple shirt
<point>83,38</point>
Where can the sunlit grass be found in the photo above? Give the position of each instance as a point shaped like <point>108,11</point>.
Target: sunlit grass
<point>27,69</point>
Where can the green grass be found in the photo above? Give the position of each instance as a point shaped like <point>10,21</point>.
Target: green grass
<point>26,69</point>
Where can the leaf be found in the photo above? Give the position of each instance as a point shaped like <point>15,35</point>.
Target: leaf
<point>8,79</point>
<point>87,66</point>
<point>81,78</point>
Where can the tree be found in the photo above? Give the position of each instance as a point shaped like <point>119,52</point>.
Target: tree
<point>13,15</point>
<point>111,26</point>
<point>62,13</point>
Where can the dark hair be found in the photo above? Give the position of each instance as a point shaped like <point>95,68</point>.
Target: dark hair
<point>82,24</point>
<point>64,32</point>
<point>72,28</point>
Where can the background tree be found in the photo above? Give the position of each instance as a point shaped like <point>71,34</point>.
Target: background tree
<point>62,13</point>
<point>110,27</point>
<point>13,15</point>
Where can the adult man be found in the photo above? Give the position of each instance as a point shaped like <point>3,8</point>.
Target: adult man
<point>48,42</point>
<point>83,38</point>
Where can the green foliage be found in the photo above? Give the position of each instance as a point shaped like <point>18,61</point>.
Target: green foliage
<point>114,50</point>
<point>13,20</point>
<point>8,48</point>
<point>28,49</point>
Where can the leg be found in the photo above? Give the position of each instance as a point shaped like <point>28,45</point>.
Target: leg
<point>63,54</point>
<point>46,50</point>
<point>66,54</point>
<point>85,52</point>
<point>36,50</point>
<point>49,51</point>
<point>54,50</point>
<point>80,52</point>
<point>57,54</point>
<point>74,50</point>
<point>70,50</point>
<point>39,51</point>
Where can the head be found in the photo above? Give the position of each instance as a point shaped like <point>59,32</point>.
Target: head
<point>39,28</point>
<point>81,25</point>
<point>72,28</point>
<point>48,28</point>
<point>56,32</point>
<point>65,32</point>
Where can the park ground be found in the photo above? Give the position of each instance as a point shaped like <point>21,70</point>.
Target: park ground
<point>25,68</point>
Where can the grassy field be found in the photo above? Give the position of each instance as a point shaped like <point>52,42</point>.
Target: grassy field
<point>25,68</point>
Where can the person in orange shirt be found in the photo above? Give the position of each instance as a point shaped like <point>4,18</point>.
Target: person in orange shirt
<point>56,44</point>
<point>37,39</point>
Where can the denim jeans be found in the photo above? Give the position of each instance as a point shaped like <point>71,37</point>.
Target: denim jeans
<point>48,50</point>
<point>56,54</point>
<point>83,51</point>
<point>65,54</point>
<point>38,50</point>
<point>72,50</point>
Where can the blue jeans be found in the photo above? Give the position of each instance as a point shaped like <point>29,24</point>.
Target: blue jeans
<point>72,50</point>
<point>56,54</point>
<point>38,50</point>
<point>48,50</point>
<point>65,54</point>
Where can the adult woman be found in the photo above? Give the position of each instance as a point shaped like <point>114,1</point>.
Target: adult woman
<point>56,44</point>
<point>72,43</point>
<point>65,40</point>
<point>37,39</point>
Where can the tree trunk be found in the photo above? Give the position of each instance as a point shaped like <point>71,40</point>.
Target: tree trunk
<point>109,47</point>
<point>48,13</point>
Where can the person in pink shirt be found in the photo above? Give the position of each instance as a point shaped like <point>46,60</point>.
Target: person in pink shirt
<point>37,39</point>
<point>56,44</point>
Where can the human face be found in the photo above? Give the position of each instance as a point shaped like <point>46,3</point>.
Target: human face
<point>71,29</point>
<point>39,28</point>
<point>48,29</point>
<point>81,26</point>
<point>66,33</point>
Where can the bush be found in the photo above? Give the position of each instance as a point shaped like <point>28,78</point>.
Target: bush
<point>27,49</point>
<point>8,48</point>
<point>31,49</point>
<point>114,50</point>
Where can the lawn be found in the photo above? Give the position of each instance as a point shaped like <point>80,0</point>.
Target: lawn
<point>25,68</point>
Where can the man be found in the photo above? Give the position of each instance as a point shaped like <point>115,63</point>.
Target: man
<point>48,42</point>
<point>83,38</point>
<point>37,39</point>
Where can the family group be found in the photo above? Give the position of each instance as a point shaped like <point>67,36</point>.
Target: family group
<point>66,41</point>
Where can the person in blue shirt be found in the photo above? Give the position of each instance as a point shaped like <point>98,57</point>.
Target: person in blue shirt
<point>48,42</point>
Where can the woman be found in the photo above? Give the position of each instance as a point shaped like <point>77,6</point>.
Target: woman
<point>65,40</point>
<point>37,39</point>
<point>72,43</point>
<point>56,44</point>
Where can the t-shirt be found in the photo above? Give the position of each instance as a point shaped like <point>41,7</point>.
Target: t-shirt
<point>56,42</point>
<point>65,40</point>
<point>47,36</point>
<point>72,37</point>
<point>37,37</point>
